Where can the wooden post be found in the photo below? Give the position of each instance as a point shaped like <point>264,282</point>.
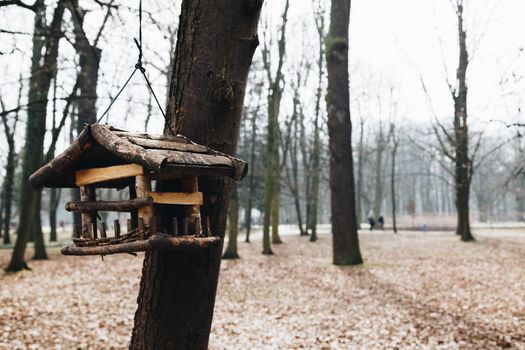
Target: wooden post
<point>190,184</point>
<point>207,225</point>
<point>142,188</point>
<point>198,227</point>
<point>103,230</point>
<point>117,228</point>
<point>185,226</point>
<point>76,232</point>
<point>140,233</point>
<point>87,194</point>
<point>92,231</point>
<point>130,227</point>
<point>134,213</point>
<point>175,231</point>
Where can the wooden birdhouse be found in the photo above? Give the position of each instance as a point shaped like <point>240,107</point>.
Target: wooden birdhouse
<point>166,217</point>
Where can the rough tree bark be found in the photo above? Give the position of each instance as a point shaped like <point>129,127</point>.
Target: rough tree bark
<point>344,220</point>
<point>39,84</point>
<point>216,42</point>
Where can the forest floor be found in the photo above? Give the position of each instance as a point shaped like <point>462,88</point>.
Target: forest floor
<point>415,291</point>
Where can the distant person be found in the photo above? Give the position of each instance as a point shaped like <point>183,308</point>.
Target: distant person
<point>372,223</point>
<point>424,227</point>
<point>381,222</point>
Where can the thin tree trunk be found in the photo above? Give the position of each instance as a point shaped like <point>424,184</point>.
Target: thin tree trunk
<point>39,243</point>
<point>393,181</point>
<point>463,164</point>
<point>7,191</point>
<point>360,166</point>
<point>276,194</point>
<point>316,148</point>
<point>272,174</point>
<point>89,59</point>
<point>54,200</point>
<point>233,226</point>
<point>2,201</point>
<point>39,85</point>
<point>379,180</point>
<point>248,213</point>
<point>211,65</point>
<point>344,220</point>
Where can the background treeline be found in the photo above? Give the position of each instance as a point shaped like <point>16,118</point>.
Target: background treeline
<point>63,61</point>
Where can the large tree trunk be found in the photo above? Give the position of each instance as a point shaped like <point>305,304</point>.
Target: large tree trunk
<point>213,56</point>
<point>39,84</point>
<point>233,226</point>
<point>344,220</point>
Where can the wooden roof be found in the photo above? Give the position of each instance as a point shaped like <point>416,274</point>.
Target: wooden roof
<point>103,145</point>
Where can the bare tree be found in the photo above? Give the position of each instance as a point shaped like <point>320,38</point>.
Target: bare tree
<point>344,219</point>
<point>43,67</point>
<point>273,173</point>
<point>9,178</point>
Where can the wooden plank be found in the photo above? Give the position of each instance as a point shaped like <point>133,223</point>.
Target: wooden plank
<point>96,175</point>
<point>180,198</point>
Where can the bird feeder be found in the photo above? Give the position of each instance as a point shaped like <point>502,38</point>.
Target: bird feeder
<point>106,157</point>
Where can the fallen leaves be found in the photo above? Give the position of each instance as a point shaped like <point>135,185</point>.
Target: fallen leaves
<point>414,291</point>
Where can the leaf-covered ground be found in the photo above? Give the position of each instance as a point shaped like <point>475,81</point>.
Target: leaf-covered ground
<point>414,292</point>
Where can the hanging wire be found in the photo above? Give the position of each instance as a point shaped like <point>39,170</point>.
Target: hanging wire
<point>117,96</point>
<point>139,67</point>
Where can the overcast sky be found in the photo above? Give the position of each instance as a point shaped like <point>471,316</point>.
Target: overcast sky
<point>393,44</point>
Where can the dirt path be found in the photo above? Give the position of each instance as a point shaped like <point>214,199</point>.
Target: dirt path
<point>414,292</point>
